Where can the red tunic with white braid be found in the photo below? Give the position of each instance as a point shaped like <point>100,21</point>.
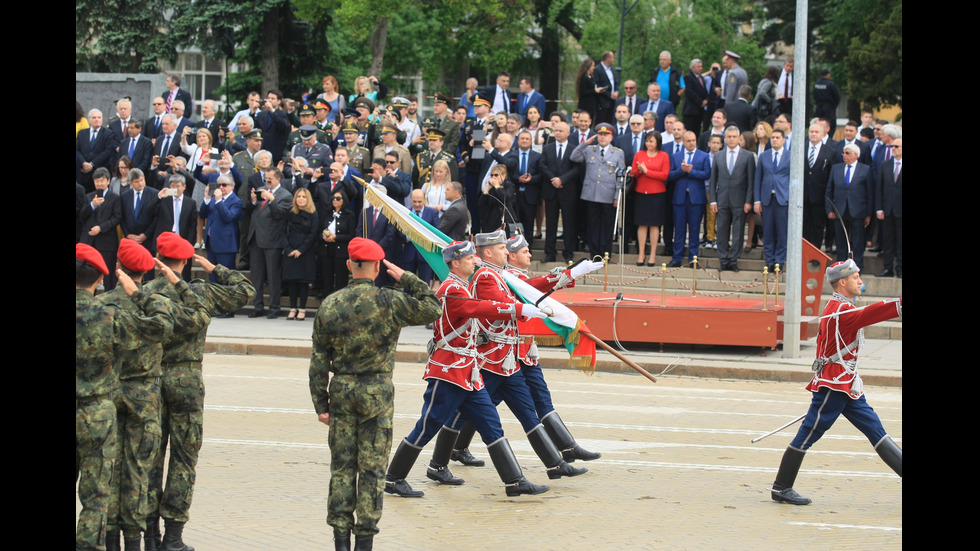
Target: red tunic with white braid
<point>498,355</point>
<point>543,283</point>
<point>839,339</point>
<point>454,360</point>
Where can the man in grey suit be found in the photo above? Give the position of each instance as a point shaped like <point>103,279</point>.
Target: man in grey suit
<point>270,207</point>
<point>455,220</point>
<point>732,178</point>
<point>600,187</point>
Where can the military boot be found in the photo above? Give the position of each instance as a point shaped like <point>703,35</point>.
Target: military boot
<point>364,543</point>
<point>570,450</point>
<point>889,451</point>
<point>112,539</point>
<point>398,469</point>
<point>341,541</point>
<point>461,451</point>
<point>548,454</point>
<point>782,487</point>
<point>151,537</point>
<point>438,468</point>
<point>173,538</point>
<point>509,470</point>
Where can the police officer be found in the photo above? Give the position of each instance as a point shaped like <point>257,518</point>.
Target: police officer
<point>357,402</point>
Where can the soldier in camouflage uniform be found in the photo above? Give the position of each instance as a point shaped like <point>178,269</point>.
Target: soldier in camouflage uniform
<point>99,329</point>
<point>182,387</point>
<point>357,402</point>
<point>138,402</point>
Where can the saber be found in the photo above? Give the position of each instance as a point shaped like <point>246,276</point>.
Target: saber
<point>768,434</point>
<point>843,227</point>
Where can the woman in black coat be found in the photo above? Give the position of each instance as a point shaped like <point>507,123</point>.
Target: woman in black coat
<point>588,96</point>
<point>337,228</point>
<point>298,260</point>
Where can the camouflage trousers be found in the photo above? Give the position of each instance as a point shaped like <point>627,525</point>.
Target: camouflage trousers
<point>361,410</point>
<point>138,433</point>
<point>95,453</point>
<point>182,424</point>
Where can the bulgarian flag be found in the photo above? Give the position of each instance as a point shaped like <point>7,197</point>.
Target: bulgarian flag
<point>429,241</point>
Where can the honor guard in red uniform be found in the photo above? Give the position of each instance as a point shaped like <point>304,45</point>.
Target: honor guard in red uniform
<point>836,385</point>
<point>455,385</point>
<point>518,261</point>
<point>497,349</point>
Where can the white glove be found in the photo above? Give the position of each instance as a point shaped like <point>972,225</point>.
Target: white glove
<point>583,268</point>
<point>532,311</point>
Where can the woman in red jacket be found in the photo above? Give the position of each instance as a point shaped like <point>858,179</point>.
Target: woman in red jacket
<point>650,169</point>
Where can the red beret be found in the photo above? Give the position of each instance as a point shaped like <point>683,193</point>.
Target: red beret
<point>365,250</point>
<point>171,245</point>
<point>134,256</point>
<point>87,253</point>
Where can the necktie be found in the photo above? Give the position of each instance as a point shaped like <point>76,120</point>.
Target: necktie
<point>526,96</point>
<point>813,155</point>
<point>888,152</point>
<point>731,160</point>
<point>376,213</point>
<point>136,209</point>
<point>176,215</point>
<point>786,85</point>
<point>523,163</point>
<point>636,143</point>
<point>847,176</point>
<point>689,155</point>
<point>156,125</point>
<point>559,152</point>
<point>775,159</point>
<point>91,143</point>
<point>166,147</point>
<point>132,147</point>
<point>898,169</point>
<point>629,104</point>
<point>602,153</point>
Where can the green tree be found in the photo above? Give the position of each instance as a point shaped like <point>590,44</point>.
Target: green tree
<point>119,36</point>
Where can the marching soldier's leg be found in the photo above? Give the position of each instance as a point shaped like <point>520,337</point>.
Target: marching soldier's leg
<point>510,470</point>
<point>461,451</point>
<point>438,467</point>
<point>890,453</point>
<point>398,469</point>
<point>548,454</point>
<point>782,487</point>
<point>563,439</point>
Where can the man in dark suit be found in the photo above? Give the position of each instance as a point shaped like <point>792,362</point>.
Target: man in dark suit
<point>658,105</point>
<point>222,210</point>
<point>120,122</point>
<point>527,183</point>
<point>455,220</point>
<point>274,123</point>
<point>137,147</point>
<point>851,189</point>
<point>633,102</point>
<point>177,213</point>
<point>100,215</point>
<point>851,137</point>
<point>605,80</point>
<point>175,93</point>
<point>269,207</point>
<point>688,170</point>
<point>695,98</point>
<point>167,145</point>
<point>530,97</point>
<point>177,109</point>
<point>741,112</point>
<point>559,181</point>
<point>498,96</point>
<point>94,148</point>
<point>210,121</point>
<point>888,210</point>
<point>382,232</point>
<point>819,158</point>
<point>772,199</point>
<point>583,129</point>
<point>732,180</point>
<point>152,127</point>
<point>412,260</point>
<point>139,205</point>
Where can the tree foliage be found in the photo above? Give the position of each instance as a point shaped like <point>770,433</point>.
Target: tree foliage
<point>874,68</point>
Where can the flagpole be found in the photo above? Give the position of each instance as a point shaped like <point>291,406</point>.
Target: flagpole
<point>623,358</point>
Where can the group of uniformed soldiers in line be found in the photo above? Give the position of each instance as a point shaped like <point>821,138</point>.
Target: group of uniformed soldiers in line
<point>139,387</point>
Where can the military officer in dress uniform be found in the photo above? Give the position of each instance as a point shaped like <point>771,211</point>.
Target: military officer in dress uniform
<point>422,172</point>
<point>357,402</point>
<point>600,187</point>
<point>411,128</point>
<point>455,384</point>
<point>836,386</point>
<point>316,153</point>
<point>360,157</point>
<point>307,117</point>
<point>322,109</point>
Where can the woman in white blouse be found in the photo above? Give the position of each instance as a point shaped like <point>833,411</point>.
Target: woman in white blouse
<point>435,189</point>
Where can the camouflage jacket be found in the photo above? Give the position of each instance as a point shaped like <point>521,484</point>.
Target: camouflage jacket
<point>144,361</point>
<point>101,329</point>
<point>356,330</point>
<point>187,342</point>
